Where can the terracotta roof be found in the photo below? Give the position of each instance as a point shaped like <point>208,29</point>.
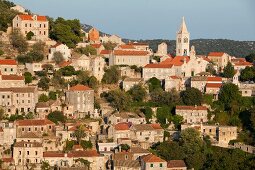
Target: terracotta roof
<point>126,163</point>
<point>53,154</point>
<point>19,89</point>
<point>8,62</point>
<point>176,164</point>
<point>191,108</point>
<point>87,153</point>
<point>179,60</point>
<point>65,63</point>
<point>152,158</point>
<point>56,45</point>
<point>138,44</point>
<point>167,61</point>
<point>214,79</point>
<point>103,52</point>
<point>206,59</point>
<point>12,77</point>
<point>34,122</point>
<point>138,150</point>
<point>126,52</point>
<point>213,85</point>
<point>122,126</point>
<point>237,60</point>
<point>79,87</point>
<point>175,77</point>
<point>156,126</point>
<point>126,46</point>
<point>143,127</point>
<point>243,64</point>
<point>30,17</point>
<point>96,45</point>
<point>24,144</point>
<point>158,66</point>
<point>216,54</point>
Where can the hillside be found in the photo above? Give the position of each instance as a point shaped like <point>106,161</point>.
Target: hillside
<point>204,46</point>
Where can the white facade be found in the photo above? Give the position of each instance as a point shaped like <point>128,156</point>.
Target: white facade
<point>63,49</point>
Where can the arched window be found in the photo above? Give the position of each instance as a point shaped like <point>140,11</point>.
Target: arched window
<point>186,40</point>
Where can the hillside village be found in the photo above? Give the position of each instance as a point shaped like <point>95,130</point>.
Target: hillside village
<point>72,99</point>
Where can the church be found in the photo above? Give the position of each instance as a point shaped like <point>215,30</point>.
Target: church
<point>185,64</point>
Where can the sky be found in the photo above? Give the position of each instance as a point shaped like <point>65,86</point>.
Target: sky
<point>156,19</point>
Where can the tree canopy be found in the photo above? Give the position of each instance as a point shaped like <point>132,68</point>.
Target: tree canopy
<point>229,71</point>
<point>191,96</point>
<point>111,75</point>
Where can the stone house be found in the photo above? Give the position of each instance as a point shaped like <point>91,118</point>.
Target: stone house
<point>18,99</point>
<point>7,133</point>
<point>82,99</point>
<point>152,162</point>
<point>34,67</point>
<point>192,114</point>
<point>221,59</point>
<point>93,35</point>
<point>62,48</point>
<point>128,83</point>
<point>8,66</point>
<point>174,82</point>
<point>129,57</point>
<point>214,89</point>
<point>37,126</point>
<point>200,81</point>
<point>7,81</point>
<point>99,47</point>
<point>39,25</point>
<point>176,165</point>
<point>125,117</point>
<point>97,64</point>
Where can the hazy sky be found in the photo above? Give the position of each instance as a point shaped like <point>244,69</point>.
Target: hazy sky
<point>151,19</point>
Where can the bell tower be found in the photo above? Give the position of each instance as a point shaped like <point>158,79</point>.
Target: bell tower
<point>182,40</point>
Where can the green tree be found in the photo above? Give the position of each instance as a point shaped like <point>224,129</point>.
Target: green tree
<point>191,96</point>
<point>92,82</point>
<point>58,57</point>
<point>43,98</point>
<point>38,47</point>
<point>154,83</point>
<point>163,115</point>
<point>229,94</point>
<point>125,147</point>
<point>1,113</point>
<point>111,75</point>
<point>45,165</point>
<point>52,95</point>
<point>18,41</point>
<point>86,144</point>
<point>165,98</point>
<point>148,113</point>
<point>1,52</point>
<point>88,50</point>
<point>138,93</point>
<point>109,45</point>
<point>119,100</point>
<point>44,83</point>
<point>229,71</point>
<point>248,74</point>
<point>68,71</point>
<point>86,163</point>
<point>56,117</point>
<point>250,57</point>
<point>28,77</point>
<point>79,133</point>
<point>177,120</point>
<point>29,35</point>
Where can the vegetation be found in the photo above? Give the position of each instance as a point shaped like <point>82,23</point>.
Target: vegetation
<point>248,74</point>
<point>250,57</point>
<point>56,117</point>
<point>18,41</point>
<point>6,14</point>
<point>58,57</point>
<point>79,133</point>
<point>88,50</point>
<point>65,31</point>
<point>30,57</point>
<point>138,93</point>
<point>43,98</point>
<point>154,84</point>
<point>44,83</point>
<point>28,77</point>
<point>29,35</point>
<point>229,71</point>
<point>111,75</point>
<point>191,96</point>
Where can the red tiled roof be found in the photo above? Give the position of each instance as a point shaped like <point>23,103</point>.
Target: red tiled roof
<point>135,53</point>
<point>216,54</point>
<point>96,45</point>
<point>121,126</point>
<point>167,61</point>
<point>8,62</point>
<point>175,77</point>
<point>138,44</point>
<point>105,52</point>
<point>34,122</point>
<point>176,164</point>
<point>65,63</point>
<point>206,59</point>
<point>57,44</point>
<point>191,108</point>
<point>53,154</point>
<point>243,64</point>
<point>237,60</point>
<point>30,17</point>
<point>12,77</point>
<point>152,158</point>
<point>214,79</point>
<point>127,46</point>
<point>179,60</point>
<point>88,153</point>
<point>213,85</point>
<point>80,87</point>
<point>158,66</point>
<point>156,126</point>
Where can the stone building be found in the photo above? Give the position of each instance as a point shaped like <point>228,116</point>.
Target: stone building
<point>39,25</point>
<point>82,99</point>
<point>221,59</point>
<point>97,64</point>
<point>62,48</point>
<point>182,40</point>
<point>192,114</point>
<point>18,99</point>
<point>7,81</point>
<point>152,162</point>
<point>8,66</point>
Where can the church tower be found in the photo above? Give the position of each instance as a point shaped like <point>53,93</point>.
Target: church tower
<point>182,40</point>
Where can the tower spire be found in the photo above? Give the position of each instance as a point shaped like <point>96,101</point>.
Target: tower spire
<point>183,27</point>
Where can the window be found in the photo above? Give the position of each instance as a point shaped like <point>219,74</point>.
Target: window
<point>23,129</point>
<point>185,40</point>
<point>3,96</point>
<point>11,69</point>
<point>151,165</point>
<point>27,152</point>
<point>5,69</point>
<point>160,165</point>
<point>29,129</point>
<point>36,152</point>
<point>19,152</point>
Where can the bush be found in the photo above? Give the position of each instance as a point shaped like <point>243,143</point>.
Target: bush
<point>56,117</point>
<point>30,35</point>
